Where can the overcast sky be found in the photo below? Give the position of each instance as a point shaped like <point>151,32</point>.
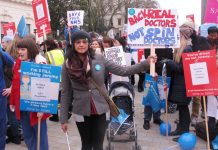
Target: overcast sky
<point>184,7</point>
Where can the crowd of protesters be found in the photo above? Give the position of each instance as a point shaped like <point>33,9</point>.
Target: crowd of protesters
<point>81,56</point>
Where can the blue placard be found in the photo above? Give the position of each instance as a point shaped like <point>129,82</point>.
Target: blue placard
<point>39,87</point>
<point>154,91</point>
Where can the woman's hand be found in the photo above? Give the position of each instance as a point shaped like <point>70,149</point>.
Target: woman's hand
<point>12,108</point>
<point>6,92</point>
<point>40,114</point>
<point>64,127</point>
<point>151,59</point>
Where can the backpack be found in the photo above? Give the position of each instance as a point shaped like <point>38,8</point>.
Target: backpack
<point>200,130</point>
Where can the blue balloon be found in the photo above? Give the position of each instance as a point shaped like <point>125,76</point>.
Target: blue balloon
<point>163,128</point>
<point>187,141</point>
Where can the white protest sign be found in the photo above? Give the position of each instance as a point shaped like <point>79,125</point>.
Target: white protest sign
<point>75,17</point>
<point>115,78</point>
<point>156,27</point>
<point>199,73</point>
<point>115,54</point>
<point>40,87</point>
<point>40,11</point>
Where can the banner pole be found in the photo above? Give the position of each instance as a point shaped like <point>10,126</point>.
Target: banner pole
<point>39,128</point>
<point>206,124</point>
<point>152,64</point>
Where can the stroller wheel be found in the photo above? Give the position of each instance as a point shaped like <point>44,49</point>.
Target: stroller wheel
<point>110,147</point>
<point>132,135</point>
<point>138,147</point>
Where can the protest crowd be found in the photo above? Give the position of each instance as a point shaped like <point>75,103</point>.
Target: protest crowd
<point>87,64</point>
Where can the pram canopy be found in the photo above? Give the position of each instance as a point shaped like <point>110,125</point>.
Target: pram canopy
<point>121,88</point>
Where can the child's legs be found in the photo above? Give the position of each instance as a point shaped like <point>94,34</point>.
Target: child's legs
<point>28,131</point>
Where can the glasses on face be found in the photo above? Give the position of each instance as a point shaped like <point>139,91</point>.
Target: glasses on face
<point>83,41</point>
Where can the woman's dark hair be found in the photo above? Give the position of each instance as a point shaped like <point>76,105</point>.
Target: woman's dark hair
<point>30,45</point>
<point>60,45</point>
<point>108,40</point>
<point>199,42</point>
<point>51,45</point>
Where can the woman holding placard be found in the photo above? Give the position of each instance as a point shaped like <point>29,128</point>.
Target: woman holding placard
<point>89,107</point>
<point>177,93</point>
<point>28,51</point>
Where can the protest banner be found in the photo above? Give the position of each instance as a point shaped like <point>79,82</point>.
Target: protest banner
<point>153,26</point>
<point>211,13</point>
<point>42,17</point>
<point>39,87</point>
<point>75,17</point>
<point>9,29</point>
<point>191,17</point>
<point>200,73</point>
<point>115,54</point>
<point>204,27</point>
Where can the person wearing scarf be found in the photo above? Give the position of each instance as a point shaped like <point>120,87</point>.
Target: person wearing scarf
<point>27,51</point>
<point>90,109</point>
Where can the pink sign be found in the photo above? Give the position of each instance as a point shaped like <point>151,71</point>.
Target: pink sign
<point>211,13</point>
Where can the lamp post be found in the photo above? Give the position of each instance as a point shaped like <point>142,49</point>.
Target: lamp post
<point>203,8</point>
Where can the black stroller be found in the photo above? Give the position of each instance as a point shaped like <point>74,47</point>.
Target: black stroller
<point>123,94</point>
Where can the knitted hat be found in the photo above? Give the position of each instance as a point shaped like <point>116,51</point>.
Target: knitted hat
<point>80,35</point>
<point>187,29</point>
<point>7,38</point>
<point>189,23</point>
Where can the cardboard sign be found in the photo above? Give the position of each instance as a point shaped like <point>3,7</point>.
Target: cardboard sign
<point>41,12</point>
<point>40,29</point>
<point>115,54</point>
<point>156,27</point>
<point>201,73</point>
<point>211,13</point>
<point>9,29</point>
<point>39,87</point>
<point>75,17</point>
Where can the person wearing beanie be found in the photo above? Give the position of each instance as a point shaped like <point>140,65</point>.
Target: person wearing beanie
<point>6,40</point>
<point>90,109</point>
<point>177,93</point>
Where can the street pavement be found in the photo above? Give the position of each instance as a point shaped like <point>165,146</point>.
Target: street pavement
<point>148,139</point>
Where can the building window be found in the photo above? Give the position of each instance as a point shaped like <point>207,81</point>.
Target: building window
<point>28,27</point>
<point>119,21</point>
